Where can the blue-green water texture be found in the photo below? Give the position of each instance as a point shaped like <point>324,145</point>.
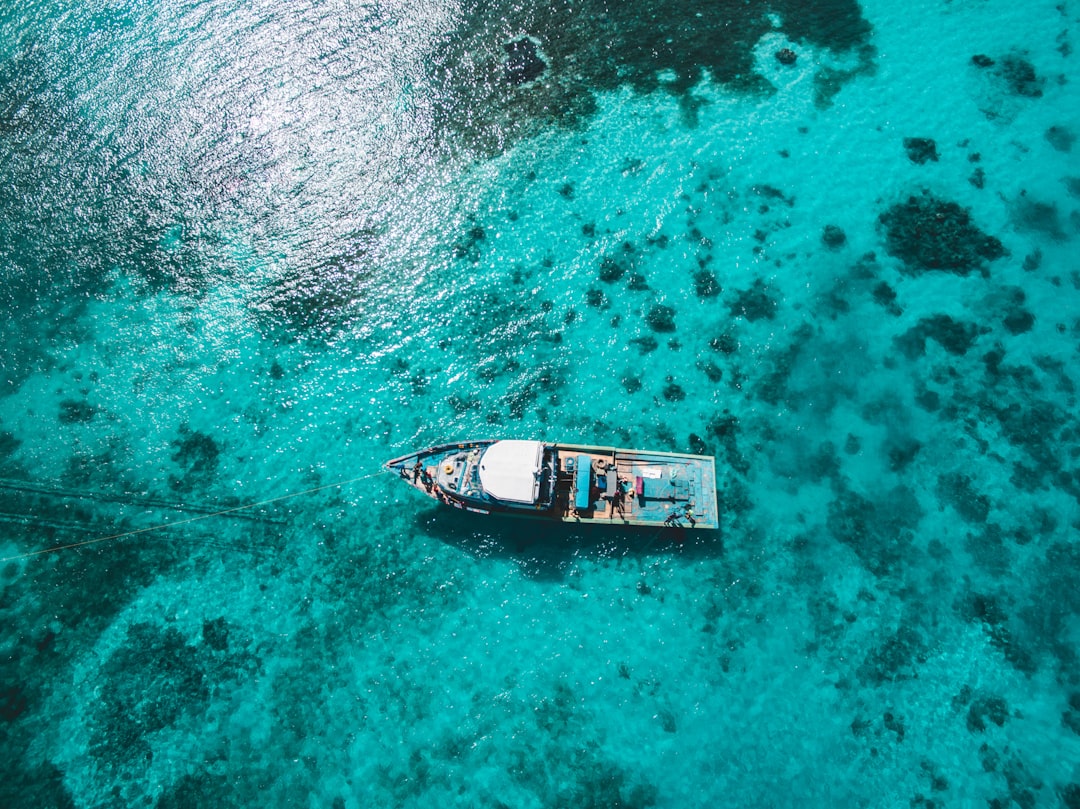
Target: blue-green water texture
<point>251,250</point>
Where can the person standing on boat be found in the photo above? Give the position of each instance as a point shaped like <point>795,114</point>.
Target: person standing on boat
<point>618,499</point>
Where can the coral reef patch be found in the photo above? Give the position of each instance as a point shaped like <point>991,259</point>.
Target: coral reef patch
<point>927,233</point>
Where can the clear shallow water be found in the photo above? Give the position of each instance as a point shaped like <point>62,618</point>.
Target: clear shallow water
<point>253,250</point>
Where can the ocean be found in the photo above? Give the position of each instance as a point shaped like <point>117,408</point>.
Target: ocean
<point>250,251</point>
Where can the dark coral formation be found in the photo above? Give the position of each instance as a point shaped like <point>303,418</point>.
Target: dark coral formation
<point>488,98</point>
<point>216,634</point>
<point>955,337</point>
<point>878,530</point>
<point>66,240</point>
<point>661,318</point>
<point>612,269</point>
<point>756,303</point>
<point>1061,138</point>
<point>706,284</point>
<point>938,781</point>
<point>896,657</point>
<point>1070,796</point>
<point>523,61</point>
<point>197,455</point>
<point>921,150</point>
<point>41,785</point>
<point>927,233</point>
<point>200,789</point>
<point>1015,316</point>
<point>986,708</point>
<point>901,451</point>
<point>988,549</point>
<point>884,295</point>
<point>673,392</point>
<point>1070,718</point>
<point>1038,217</point>
<point>152,681</point>
<point>958,490</point>
<point>1048,616</point>
<point>469,245</point>
<point>13,703</point>
<point>989,611</point>
<point>1019,76</point>
<point>724,429</point>
<point>76,411</point>
<point>712,371</point>
<point>315,300</point>
<point>725,343</point>
<point>833,237</point>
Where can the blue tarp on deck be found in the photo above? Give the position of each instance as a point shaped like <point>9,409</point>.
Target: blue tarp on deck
<point>582,476</point>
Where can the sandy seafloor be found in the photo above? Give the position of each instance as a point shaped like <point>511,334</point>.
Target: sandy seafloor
<point>253,249</point>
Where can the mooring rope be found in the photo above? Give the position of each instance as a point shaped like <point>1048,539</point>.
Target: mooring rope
<point>277,499</point>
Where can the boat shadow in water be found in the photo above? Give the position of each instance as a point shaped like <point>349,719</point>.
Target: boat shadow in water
<point>548,550</point>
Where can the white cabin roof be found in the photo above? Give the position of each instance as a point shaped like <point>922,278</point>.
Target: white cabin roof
<point>510,470</point>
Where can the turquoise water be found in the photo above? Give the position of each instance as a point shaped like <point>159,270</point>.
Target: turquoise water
<point>250,250</point>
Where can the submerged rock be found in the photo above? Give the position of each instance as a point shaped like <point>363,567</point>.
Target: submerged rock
<point>982,60</point>
<point>786,56</point>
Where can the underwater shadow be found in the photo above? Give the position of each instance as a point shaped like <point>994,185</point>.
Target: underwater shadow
<point>548,550</point>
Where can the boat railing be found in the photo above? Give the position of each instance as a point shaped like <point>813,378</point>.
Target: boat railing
<point>396,463</point>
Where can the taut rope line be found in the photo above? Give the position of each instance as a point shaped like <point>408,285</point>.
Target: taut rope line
<point>188,519</point>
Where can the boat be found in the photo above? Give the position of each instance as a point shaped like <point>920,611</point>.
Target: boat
<point>570,483</point>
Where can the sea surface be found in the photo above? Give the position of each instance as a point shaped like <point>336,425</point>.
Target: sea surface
<point>251,250</point>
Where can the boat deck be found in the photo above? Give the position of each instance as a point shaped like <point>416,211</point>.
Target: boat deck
<point>599,485</point>
<point>636,487</point>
